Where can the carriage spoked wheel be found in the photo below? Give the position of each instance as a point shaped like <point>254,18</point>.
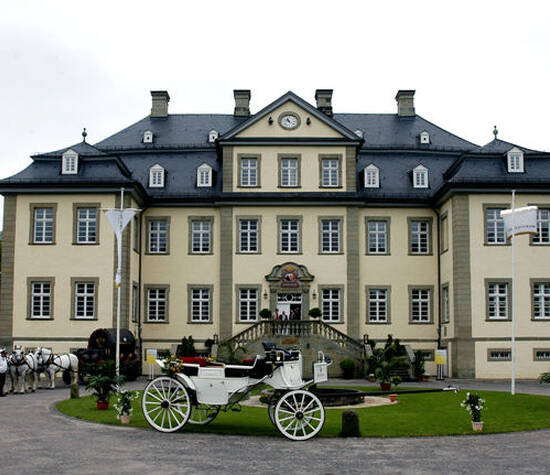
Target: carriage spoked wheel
<point>203,414</point>
<point>299,415</point>
<point>166,404</point>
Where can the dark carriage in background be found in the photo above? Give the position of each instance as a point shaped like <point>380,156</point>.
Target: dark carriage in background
<point>102,346</point>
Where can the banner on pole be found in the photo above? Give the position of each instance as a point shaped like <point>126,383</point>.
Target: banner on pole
<point>119,219</point>
<point>520,221</point>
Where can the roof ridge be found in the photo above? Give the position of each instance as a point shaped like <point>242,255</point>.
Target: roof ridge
<point>445,130</point>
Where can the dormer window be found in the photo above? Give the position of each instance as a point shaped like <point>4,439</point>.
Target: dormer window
<point>147,136</point>
<point>204,175</point>
<point>156,176</point>
<point>212,136</point>
<point>359,133</point>
<point>420,177</point>
<point>372,177</point>
<point>69,163</point>
<point>424,137</point>
<point>515,161</point>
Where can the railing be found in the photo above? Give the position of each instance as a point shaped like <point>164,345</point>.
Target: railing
<point>296,328</point>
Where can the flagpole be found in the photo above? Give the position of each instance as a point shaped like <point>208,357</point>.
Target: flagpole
<point>119,271</point>
<point>513,380</point>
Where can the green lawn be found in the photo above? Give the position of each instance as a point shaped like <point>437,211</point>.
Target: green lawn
<point>414,415</point>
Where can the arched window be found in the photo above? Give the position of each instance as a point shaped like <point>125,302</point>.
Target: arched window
<point>212,135</point>
<point>69,163</point>
<point>147,136</point>
<point>372,176</point>
<point>424,137</point>
<point>420,177</point>
<point>515,161</point>
<point>156,176</point>
<point>204,175</point>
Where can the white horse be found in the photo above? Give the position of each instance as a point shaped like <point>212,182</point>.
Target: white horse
<point>21,366</point>
<point>52,364</point>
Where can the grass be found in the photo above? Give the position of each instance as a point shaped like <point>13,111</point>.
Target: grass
<point>430,414</point>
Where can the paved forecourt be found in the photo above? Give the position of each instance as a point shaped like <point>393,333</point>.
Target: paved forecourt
<point>36,438</point>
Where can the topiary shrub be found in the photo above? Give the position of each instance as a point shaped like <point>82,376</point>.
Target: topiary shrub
<point>265,313</point>
<point>348,368</point>
<point>544,378</point>
<point>315,312</point>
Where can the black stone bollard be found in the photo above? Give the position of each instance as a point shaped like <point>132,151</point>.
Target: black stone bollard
<point>75,392</point>
<point>350,424</point>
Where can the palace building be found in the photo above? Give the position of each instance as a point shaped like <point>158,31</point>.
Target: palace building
<point>387,223</point>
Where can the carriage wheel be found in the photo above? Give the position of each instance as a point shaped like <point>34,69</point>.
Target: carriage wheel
<point>166,404</point>
<point>299,415</point>
<point>203,414</point>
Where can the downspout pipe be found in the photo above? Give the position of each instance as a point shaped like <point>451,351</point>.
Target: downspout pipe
<point>438,293</point>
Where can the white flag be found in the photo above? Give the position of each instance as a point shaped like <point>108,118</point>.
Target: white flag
<point>119,219</point>
<point>524,221</point>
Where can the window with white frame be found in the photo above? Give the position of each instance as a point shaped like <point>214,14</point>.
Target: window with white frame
<point>157,305</point>
<point>249,171</point>
<point>494,226</point>
<point>515,161</point>
<point>378,305</point>
<point>420,237</point>
<point>204,175</point>
<point>541,301</point>
<point>497,301</point>
<point>420,177</point>
<point>248,305</point>
<point>201,236</point>
<point>542,355</point>
<point>377,237</point>
<point>330,172</point>
<point>86,225</point>
<point>499,355</point>
<point>158,236</point>
<point>424,137</point>
<point>372,177</point>
<point>43,225</point>
<point>445,304</point>
<point>69,163</point>
<point>212,136</point>
<point>248,235</point>
<point>330,304</point>
<point>330,236</point>
<point>421,310</point>
<point>200,305</point>
<point>156,177</point>
<point>41,300</point>
<point>289,172</point>
<point>289,235</point>
<point>84,300</point>
<point>147,136</point>
<point>543,227</point>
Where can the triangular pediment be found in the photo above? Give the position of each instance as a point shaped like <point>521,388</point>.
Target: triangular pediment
<point>290,117</point>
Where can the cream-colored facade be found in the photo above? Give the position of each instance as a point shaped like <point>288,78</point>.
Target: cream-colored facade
<point>452,273</point>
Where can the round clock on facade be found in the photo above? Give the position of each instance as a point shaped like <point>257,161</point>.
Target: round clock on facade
<point>289,120</point>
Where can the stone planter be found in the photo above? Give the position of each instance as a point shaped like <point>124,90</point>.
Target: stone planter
<point>477,426</point>
<point>125,419</point>
<point>393,397</point>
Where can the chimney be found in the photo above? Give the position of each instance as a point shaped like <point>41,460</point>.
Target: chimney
<point>242,102</point>
<point>405,103</point>
<point>159,108</point>
<point>324,101</point>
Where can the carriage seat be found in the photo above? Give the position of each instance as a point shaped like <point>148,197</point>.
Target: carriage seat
<point>256,368</point>
<point>193,360</point>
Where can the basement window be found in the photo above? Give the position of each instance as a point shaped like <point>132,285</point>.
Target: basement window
<point>499,355</point>
<point>69,163</point>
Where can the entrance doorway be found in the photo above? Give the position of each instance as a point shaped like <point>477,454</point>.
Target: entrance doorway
<point>289,305</point>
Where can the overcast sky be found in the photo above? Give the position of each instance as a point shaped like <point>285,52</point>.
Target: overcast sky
<point>66,65</point>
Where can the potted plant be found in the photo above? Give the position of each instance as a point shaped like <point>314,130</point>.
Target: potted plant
<point>265,313</point>
<point>544,378</point>
<point>315,313</point>
<point>418,365</point>
<point>124,405</point>
<point>103,383</point>
<point>474,405</point>
<point>348,368</point>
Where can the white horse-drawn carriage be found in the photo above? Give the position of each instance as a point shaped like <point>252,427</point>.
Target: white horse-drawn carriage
<point>200,389</point>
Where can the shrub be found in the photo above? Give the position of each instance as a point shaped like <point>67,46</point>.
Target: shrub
<point>544,378</point>
<point>315,312</point>
<point>187,347</point>
<point>418,364</point>
<point>265,313</point>
<point>348,368</point>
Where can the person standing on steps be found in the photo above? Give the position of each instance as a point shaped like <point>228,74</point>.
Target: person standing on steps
<point>3,371</point>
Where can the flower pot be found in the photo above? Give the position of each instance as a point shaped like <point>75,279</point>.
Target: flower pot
<point>393,397</point>
<point>477,426</point>
<point>385,386</point>
<point>125,419</point>
<point>103,405</point>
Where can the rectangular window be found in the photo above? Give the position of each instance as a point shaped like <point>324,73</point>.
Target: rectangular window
<point>157,305</point>
<point>445,304</point>
<point>330,172</point>
<point>135,229</point>
<point>444,238</point>
<point>289,172</point>
<point>135,303</point>
<point>378,305</point>
<point>248,235</point>
<point>330,236</point>
<point>494,226</point>
<point>330,305</point>
<point>497,301</point>
<point>421,305</point>
<point>542,355</point>
<point>249,172</point>
<point>86,225</point>
<point>420,237</point>
<point>158,237</point>
<point>248,305</point>
<point>200,305</point>
<point>290,235</point>
<point>541,301</point>
<point>84,300</point>
<point>377,237</point>
<point>499,355</point>
<point>543,227</point>
<point>41,300</point>
<point>201,236</point>
<point>43,225</point>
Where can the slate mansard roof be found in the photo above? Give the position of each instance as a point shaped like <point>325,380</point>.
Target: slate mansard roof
<point>181,145</point>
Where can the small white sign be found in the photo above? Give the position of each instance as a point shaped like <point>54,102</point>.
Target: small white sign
<point>320,372</point>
